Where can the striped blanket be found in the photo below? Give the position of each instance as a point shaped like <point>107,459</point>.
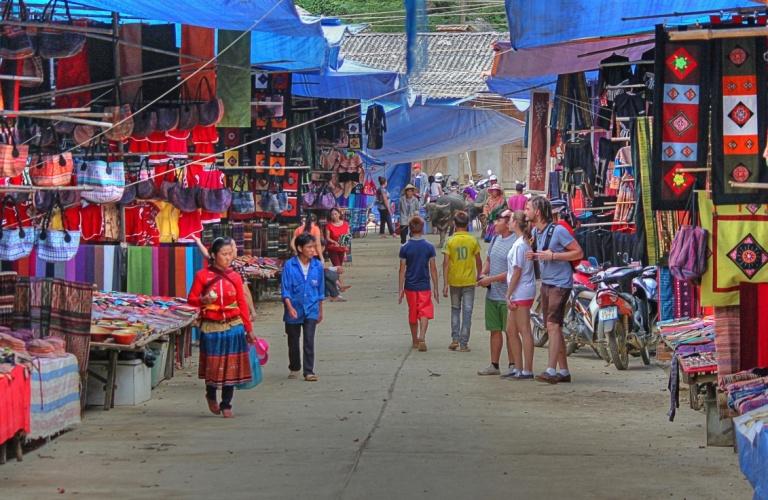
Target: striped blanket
<point>55,398</point>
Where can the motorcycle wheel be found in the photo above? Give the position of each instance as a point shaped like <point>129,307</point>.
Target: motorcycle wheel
<point>540,335</point>
<point>617,343</point>
<point>645,355</point>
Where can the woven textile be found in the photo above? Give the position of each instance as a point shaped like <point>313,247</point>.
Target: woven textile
<point>233,83</point>
<point>737,117</point>
<point>680,122</point>
<point>754,326</point>
<point>727,339</point>
<point>642,145</point>
<point>738,243</point>
<point>70,317</point>
<point>55,401</point>
<point>7,297</point>
<point>224,357</point>
<point>538,152</point>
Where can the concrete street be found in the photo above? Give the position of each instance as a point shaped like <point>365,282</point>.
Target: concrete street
<point>386,422</point>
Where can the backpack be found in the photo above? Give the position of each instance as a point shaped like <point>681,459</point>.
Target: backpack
<point>550,230</point>
<point>688,254</point>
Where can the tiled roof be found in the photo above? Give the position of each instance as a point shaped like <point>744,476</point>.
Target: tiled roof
<point>455,61</point>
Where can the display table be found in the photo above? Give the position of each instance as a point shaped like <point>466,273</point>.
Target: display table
<point>752,447</point>
<point>55,398</point>
<point>14,409</point>
<point>179,338</point>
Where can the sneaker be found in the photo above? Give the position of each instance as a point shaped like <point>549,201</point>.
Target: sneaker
<point>563,379</point>
<point>464,348</point>
<point>546,377</point>
<point>520,376</point>
<point>510,374</point>
<point>294,374</point>
<point>454,345</point>
<point>489,370</point>
<point>422,346</point>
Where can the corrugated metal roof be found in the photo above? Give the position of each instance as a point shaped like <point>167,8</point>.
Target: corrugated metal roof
<point>455,66</point>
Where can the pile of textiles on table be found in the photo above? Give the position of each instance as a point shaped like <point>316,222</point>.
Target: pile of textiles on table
<point>687,332</point>
<point>23,343</point>
<point>747,390</point>
<point>257,267</point>
<point>159,314</point>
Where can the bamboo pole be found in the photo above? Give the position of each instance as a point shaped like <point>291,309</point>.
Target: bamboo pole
<point>710,34</point>
<point>749,185</point>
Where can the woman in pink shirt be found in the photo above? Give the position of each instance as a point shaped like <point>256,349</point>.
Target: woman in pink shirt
<point>517,201</point>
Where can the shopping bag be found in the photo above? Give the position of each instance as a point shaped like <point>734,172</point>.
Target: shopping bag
<point>255,369</point>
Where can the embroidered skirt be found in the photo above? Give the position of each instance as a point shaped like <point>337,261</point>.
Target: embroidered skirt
<point>224,357</point>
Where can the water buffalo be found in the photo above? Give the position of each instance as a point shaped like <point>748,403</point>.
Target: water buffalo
<point>441,211</point>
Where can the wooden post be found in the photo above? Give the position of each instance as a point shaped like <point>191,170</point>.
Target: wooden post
<point>109,392</point>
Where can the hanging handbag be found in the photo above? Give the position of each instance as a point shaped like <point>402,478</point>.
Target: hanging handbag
<point>144,122</point>
<point>326,201</point>
<point>15,244</point>
<point>243,201</point>
<point>122,122</point>
<point>51,170</point>
<point>43,200</point>
<point>308,199</point>
<point>13,158</point>
<point>53,245</point>
<point>146,188</point>
<point>32,71</point>
<point>167,119</point>
<point>216,200</point>
<point>15,42</point>
<point>55,43</point>
<point>209,112</point>
<point>183,197</point>
<point>107,180</point>
<point>188,114</point>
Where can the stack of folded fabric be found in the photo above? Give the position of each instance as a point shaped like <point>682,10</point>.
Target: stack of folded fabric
<point>746,390</point>
<point>50,347</point>
<point>12,343</point>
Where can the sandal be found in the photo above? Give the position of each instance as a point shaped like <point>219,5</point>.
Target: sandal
<point>213,406</point>
<point>311,377</point>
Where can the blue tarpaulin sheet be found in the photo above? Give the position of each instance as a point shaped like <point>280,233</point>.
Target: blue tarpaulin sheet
<point>752,445</point>
<point>350,81</point>
<point>281,39</point>
<point>433,131</point>
<point>547,22</point>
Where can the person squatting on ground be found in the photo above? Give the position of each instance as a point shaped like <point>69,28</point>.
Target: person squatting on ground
<point>225,327</point>
<point>408,207</point>
<point>417,265</point>
<point>303,292</point>
<point>462,266</point>
<point>521,292</point>
<point>382,203</point>
<point>495,278</point>
<point>555,249</point>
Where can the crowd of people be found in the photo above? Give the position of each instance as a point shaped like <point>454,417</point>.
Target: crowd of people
<point>525,243</point>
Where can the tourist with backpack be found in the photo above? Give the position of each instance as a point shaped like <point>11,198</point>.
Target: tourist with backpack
<point>555,249</point>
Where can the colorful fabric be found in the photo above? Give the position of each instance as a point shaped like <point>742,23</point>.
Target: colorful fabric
<point>8,281</point>
<point>70,318</point>
<point>738,118</point>
<point>538,138</point>
<point>224,357</point>
<point>738,239</point>
<point>55,402</point>
<point>14,403</point>
<point>642,146</point>
<point>139,270</point>
<point>233,75</point>
<point>754,325</point>
<point>727,339</point>
<point>680,122</point>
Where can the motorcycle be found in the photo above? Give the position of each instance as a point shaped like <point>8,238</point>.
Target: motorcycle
<point>581,316</point>
<point>626,312</point>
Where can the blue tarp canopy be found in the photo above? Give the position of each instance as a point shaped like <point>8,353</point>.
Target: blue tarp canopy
<point>429,131</point>
<point>282,38</point>
<point>547,22</point>
<point>351,81</point>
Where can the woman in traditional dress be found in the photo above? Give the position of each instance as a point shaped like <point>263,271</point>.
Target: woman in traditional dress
<point>225,327</point>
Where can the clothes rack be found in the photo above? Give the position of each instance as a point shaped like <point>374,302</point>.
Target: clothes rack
<point>749,185</point>
<point>627,63</point>
<point>710,34</point>
<point>619,47</point>
<point>614,223</point>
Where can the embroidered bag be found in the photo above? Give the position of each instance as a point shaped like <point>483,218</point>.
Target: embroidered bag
<point>369,188</point>
<point>243,201</point>
<point>688,254</point>
<point>15,42</point>
<point>13,158</point>
<point>53,245</point>
<point>15,244</point>
<point>106,179</point>
<point>51,170</point>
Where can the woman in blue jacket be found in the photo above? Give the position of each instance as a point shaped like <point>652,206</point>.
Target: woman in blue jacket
<point>303,291</point>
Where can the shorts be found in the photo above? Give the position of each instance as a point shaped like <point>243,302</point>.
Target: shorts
<point>495,315</point>
<point>522,303</point>
<point>553,301</point>
<point>419,305</point>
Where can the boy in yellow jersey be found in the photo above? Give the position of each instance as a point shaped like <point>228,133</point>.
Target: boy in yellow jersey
<point>462,266</point>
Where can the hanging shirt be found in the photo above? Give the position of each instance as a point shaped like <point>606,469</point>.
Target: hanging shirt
<point>375,126</point>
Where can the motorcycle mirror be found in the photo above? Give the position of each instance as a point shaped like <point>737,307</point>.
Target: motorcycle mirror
<point>593,262</point>
<point>490,172</point>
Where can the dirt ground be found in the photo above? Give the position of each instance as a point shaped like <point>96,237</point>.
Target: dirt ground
<point>386,422</point>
